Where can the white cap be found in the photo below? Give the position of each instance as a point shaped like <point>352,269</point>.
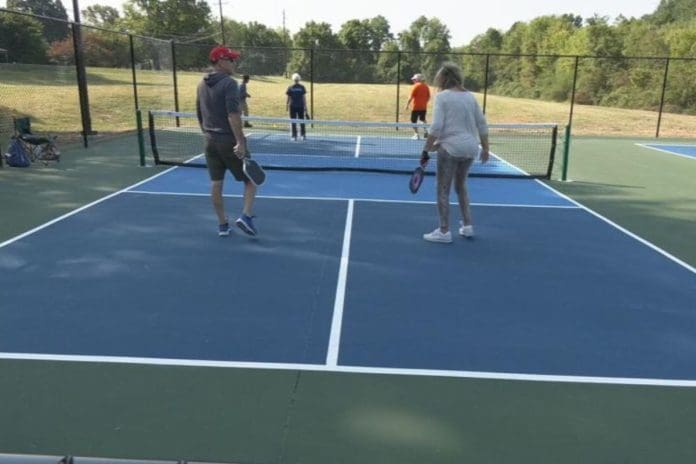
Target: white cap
<point>417,77</point>
<point>296,77</point>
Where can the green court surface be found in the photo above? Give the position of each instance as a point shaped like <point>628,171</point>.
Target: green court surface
<point>290,416</point>
<point>271,417</point>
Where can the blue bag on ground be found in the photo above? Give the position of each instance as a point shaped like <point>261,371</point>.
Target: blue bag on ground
<point>17,155</point>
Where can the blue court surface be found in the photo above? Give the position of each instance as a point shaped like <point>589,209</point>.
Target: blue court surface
<point>686,151</point>
<point>339,279</point>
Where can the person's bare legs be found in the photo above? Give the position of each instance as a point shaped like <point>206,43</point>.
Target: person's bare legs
<point>445,173</point>
<point>218,203</point>
<point>462,171</point>
<point>249,196</point>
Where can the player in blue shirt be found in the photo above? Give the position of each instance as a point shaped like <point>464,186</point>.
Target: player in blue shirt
<point>297,104</point>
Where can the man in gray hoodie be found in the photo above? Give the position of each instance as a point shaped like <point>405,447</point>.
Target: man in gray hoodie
<point>219,115</point>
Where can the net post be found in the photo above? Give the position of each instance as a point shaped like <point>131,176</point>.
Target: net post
<point>153,139</point>
<point>141,138</point>
<point>566,152</point>
<point>552,154</point>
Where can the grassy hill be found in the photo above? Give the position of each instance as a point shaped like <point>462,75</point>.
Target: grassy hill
<point>49,95</point>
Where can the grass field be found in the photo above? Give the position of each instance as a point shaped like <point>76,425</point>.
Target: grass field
<point>49,95</point>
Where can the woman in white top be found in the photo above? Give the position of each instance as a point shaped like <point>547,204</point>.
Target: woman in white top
<point>457,130</point>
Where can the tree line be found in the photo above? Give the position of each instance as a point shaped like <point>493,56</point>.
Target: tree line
<point>532,59</point>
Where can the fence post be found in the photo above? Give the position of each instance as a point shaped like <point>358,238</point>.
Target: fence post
<point>485,82</point>
<point>135,81</point>
<point>398,84</point>
<point>572,92</point>
<point>311,83</point>
<point>81,81</point>
<point>176,82</point>
<point>662,99</point>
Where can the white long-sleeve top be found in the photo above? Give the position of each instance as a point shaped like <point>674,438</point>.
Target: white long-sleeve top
<point>458,123</point>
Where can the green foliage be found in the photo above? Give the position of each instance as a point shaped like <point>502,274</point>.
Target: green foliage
<point>424,35</point>
<point>317,41</point>
<point>52,30</point>
<point>264,51</point>
<point>363,39</point>
<point>605,77</point>
<point>101,15</point>
<point>673,11</point>
<point>22,37</point>
<point>100,48</point>
<point>534,59</point>
<point>388,63</point>
<point>168,19</point>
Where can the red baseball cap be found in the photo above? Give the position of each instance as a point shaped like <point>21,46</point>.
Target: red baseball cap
<point>220,52</point>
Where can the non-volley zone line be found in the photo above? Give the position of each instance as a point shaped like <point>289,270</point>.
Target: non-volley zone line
<point>367,200</point>
<point>351,369</point>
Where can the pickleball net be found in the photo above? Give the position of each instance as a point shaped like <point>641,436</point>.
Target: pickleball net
<point>519,150</point>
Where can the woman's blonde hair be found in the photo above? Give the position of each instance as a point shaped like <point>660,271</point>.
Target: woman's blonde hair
<point>448,76</point>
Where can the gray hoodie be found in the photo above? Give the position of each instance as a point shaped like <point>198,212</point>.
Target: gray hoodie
<point>217,96</point>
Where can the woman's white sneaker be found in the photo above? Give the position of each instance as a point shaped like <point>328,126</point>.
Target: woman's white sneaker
<point>466,231</point>
<point>438,236</point>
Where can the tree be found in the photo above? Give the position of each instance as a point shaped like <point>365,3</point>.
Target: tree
<point>388,63</point>
<point>22,37</point>
<point>101,15</point>
<point>598,75</point>
<point>429,36</point>
<point>507,68</point>
<point>53,29</point>
<point>182,20</point>
<point>673,11</point>
<point>100,48</point>
<point>474,64</point>
<point>363,39</point>
<point>318,40</point>
<point>367,34</point>
<point>264,51</point>
<point>681,89</point>
<point>546,36</point>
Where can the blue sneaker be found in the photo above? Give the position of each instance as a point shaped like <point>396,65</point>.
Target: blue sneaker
<point>224,229</point>
<point>246,224</point>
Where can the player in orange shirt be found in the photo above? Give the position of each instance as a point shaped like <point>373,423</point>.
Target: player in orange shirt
<point>420,95</point>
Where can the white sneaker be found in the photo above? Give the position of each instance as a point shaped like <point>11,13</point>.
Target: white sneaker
<point>415,137</point>
<point>466,231</point>
<point>438,236</point>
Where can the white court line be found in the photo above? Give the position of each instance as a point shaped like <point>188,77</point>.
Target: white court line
<point>669,152</point>
<point>373,200</point>
<point>622,229</point>
<point>81,208</point>
<point>337,319</point>
<point>353,369</point>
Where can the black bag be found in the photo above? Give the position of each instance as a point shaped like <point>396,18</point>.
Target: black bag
<point>17,155</point>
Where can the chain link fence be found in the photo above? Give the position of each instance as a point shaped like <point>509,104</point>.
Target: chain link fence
<point>94,88</point>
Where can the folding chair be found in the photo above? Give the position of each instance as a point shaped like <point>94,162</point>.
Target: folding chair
<point>40,148</point>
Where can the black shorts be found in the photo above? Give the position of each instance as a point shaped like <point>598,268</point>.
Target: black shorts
<point>416,115</point>
<point>220,157</point>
